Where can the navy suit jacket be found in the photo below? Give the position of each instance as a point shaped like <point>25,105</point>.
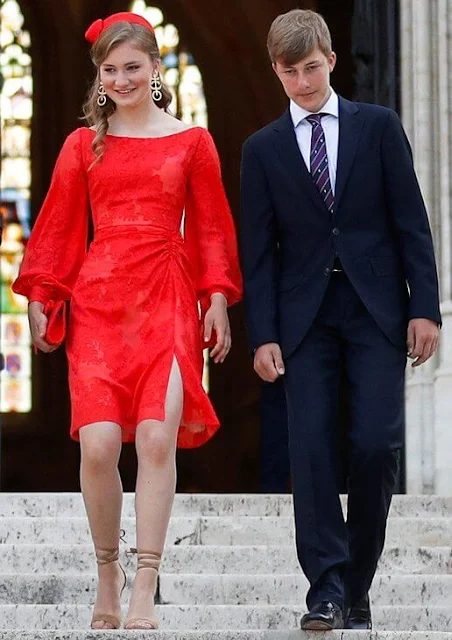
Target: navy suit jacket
<point>379,230</point>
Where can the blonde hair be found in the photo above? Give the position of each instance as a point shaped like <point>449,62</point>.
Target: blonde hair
<point>293,35</point>
<point>118,33</point>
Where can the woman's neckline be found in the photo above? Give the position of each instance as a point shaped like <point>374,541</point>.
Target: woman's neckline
<point>170,135</point>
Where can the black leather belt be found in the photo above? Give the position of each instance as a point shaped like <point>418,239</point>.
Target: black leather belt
<point>337,266</point>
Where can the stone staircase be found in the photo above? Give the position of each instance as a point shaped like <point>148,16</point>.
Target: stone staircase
<point>229,571</point>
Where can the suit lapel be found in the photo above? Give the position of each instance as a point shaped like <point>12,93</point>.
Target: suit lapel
<point>287,147</point>
<point>350,124</point>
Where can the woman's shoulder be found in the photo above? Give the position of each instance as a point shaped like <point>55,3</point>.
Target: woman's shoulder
<point>78,136</point>
<point>198,136</point>
<point>73,142</point>
<point>195,134</point>
<point>204,142</point>
<point>171,126</point>
<point>76,146</point>
<point>177,126</point>
<point>86,133</point>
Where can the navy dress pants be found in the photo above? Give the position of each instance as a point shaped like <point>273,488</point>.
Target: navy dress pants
<point>340,557</point>
<point>274,471</point>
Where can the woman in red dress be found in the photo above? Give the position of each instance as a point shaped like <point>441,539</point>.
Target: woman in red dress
<point>134,340</point>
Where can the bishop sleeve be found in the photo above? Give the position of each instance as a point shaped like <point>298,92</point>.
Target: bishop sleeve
<point>58,242</point>
<point>210,236</point>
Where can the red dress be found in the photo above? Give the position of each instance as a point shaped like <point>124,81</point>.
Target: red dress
<point>134,293</point>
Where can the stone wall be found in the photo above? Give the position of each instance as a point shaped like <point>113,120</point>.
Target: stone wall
<point>426,70</point>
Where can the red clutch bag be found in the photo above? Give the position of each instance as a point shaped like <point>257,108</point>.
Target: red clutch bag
<point>56,321</point>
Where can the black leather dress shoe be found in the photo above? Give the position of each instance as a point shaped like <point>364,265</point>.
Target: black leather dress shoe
<point>323,617</point>
<point>358,616</point>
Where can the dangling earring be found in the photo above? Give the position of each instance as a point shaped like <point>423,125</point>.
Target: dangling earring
<point>102,99</point>
<point>156,86</point>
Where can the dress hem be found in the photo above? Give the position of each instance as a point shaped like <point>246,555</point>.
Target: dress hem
<point>186,439</point>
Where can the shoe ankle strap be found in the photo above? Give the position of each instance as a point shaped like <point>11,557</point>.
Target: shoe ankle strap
<point>147,559</point>
<point>105,556</point>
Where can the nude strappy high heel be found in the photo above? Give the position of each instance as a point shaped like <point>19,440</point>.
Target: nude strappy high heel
<point>145,560</point>
<point>106,556</point>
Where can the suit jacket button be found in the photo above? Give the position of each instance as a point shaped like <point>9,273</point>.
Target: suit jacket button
<point>336,231</point>
<point>327,271</point>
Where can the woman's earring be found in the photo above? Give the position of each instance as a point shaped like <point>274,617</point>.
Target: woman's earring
<point>156,86</point>
<point>102,99</point>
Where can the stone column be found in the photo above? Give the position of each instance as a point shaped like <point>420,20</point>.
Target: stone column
<point>426,69</point>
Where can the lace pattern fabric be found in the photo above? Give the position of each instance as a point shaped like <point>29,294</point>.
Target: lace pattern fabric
<point>134,292</point>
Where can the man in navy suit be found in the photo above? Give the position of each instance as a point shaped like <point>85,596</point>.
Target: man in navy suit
<point>340,276</point>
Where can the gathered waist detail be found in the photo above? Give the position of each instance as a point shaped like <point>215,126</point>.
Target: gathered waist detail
<point>139,249</point>
<point>160,232</point>
<point>143,240</point>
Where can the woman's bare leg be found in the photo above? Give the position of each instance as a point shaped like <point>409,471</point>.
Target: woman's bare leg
<point>100,481</point>
<point>156,484</point>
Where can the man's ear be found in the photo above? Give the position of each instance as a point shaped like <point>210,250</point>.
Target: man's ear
<point>332,61</point>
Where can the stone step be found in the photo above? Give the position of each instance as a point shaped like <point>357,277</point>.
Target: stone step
<point>71,504</point>
<point>177,589</point>
<point>49,558</point>
<point>225,530</point>
<point>217,618</point>
<point>224,635</point>
<point>291,589</point>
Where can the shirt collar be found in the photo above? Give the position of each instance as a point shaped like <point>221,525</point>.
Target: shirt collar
<point>331,107</point>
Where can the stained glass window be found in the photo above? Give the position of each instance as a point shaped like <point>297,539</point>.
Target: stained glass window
<point>16,111</point>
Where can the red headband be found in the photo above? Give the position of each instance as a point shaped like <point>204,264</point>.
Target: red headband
<point>98,26</point>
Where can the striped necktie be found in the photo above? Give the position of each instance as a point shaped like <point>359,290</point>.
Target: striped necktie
<point>319,161</point>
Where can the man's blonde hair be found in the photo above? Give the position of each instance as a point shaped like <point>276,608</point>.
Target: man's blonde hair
<point>293,35</point>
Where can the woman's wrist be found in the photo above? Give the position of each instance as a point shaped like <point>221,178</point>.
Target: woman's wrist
<point>36,304</point>
<point>218,297</point>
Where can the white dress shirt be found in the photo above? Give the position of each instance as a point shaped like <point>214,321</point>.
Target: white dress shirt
<point>330,124</point>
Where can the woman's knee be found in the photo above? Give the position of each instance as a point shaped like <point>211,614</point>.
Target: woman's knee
<point>100,446</point>
<point>154,444</point>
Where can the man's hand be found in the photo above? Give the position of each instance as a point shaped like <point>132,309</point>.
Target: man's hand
<point>268,362</point>
<point>422,340</point>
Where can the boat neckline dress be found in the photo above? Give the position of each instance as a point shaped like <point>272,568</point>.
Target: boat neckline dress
<point>163,242</point>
